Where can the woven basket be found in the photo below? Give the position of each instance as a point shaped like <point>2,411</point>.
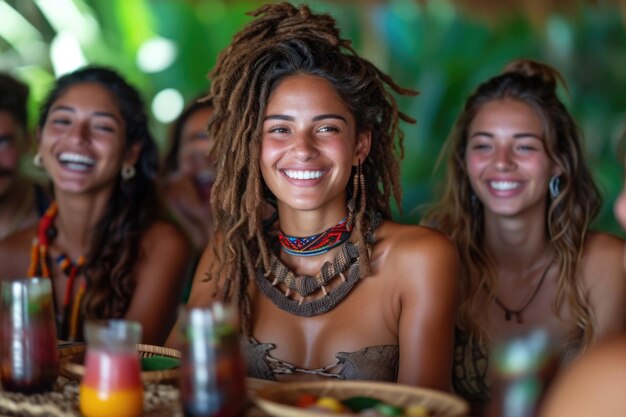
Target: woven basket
<point>73,358</point>
<point>277,400</point>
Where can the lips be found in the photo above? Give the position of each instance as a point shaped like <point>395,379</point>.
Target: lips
<point>76,161</point>
<point>303,174</point>
<point>505,185</point>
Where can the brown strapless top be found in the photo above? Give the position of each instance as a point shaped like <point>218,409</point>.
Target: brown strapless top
<point>375,363</point>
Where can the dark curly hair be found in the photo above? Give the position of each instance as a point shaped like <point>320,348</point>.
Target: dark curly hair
<point>132,208</point>
<point>284,40</point>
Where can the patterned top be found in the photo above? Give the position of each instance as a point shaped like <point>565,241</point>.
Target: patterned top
<point>374,363</point>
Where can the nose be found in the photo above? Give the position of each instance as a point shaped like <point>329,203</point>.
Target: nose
<point>79,132</point>
<point>303,147</point>
<point>504,160</point>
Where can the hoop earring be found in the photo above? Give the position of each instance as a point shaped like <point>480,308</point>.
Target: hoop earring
<point>555,186</point>
<point>128,171</point>
<point>38,160</point>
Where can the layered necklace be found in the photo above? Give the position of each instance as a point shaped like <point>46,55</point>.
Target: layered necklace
<point>40,267</point>
<point>344,266</point>
<point>509,313</point>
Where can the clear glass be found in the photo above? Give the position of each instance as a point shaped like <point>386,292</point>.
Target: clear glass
<point>522,368</point>
<point>28,341</point>
<point>213,373</point>
<point>112,383</point>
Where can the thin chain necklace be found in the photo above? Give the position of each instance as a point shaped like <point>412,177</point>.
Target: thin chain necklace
<point>509,312</point>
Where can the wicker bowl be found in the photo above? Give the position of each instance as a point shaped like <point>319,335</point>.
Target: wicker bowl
<point>278,400</point>
<point>73,358</point>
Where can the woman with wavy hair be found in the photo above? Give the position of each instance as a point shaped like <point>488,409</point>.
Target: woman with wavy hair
<point>518,200</point>
<point>326,285</point>
<point>102,241</point>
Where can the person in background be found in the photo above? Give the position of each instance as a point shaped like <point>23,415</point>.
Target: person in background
<point>101,241</point>
<point>518,200</point>
<point>189,173</point>
<point>21,200</point>
<point>594,384</point>
<point>328,286</point>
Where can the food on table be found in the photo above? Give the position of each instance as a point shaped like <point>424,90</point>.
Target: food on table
<point>359,405</point>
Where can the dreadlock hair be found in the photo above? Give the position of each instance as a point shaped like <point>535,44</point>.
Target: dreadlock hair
<point>568,216</point>
<point>281,41</point>
<point>133,207</point>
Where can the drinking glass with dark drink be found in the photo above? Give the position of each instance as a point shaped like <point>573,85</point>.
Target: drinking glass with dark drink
<point>29,359</point>
<point>212,380</point>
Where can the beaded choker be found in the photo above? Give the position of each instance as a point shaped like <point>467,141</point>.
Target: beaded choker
<point>319,243</point>
<point>39,266</point>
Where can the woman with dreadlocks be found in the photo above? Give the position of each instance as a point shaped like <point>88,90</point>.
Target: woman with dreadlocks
<point>102,241</point>
<point>518,200</point>
<point>328,286</point>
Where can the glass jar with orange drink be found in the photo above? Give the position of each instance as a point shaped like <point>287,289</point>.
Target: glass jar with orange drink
<point>112,383</point>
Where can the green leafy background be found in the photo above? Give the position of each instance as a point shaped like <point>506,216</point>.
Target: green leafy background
<point>431,46</point>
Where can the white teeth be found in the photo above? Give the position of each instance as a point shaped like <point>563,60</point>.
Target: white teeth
<point>303,175</point>
<point>74,158</point>
<point>504,185</point>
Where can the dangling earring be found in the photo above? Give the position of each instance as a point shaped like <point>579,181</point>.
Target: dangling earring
<point>358,187</point>
<point>128,171</point>
<point>38,160</point>
<point>474,199</point>
<point>555,186</point>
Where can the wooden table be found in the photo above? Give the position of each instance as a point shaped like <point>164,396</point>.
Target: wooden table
<point>160,400</point>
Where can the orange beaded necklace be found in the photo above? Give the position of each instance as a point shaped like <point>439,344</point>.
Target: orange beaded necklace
<point>40,267</point>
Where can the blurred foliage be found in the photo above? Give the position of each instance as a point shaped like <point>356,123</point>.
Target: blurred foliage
<point>430,46</point>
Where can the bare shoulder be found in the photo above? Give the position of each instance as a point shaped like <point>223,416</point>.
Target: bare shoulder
<point>417,256</point>
<point>163,233</point>
<point>603,253</point>
<point>417,242</point>
<point>599,245</point>
<point>15,253</point>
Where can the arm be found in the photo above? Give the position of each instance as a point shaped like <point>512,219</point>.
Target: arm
<point>429,296</point>
<point>202,293</point>
<point>593,386</point>
<point>15,254</point>
<point>604,276</point>
<point>160,274</point>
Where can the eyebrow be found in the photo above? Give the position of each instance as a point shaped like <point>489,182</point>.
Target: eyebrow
<point>97,113</point>
<point>315,119</point>
<point>523,135</point>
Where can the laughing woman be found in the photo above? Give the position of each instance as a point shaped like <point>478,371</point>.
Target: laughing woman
<point>328,287</point>
<point>101,241</point>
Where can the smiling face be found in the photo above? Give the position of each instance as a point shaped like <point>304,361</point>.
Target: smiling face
<point>82,140</point>
<point>195,145</point>
<point>309,144</point>
<point>508,167</point>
